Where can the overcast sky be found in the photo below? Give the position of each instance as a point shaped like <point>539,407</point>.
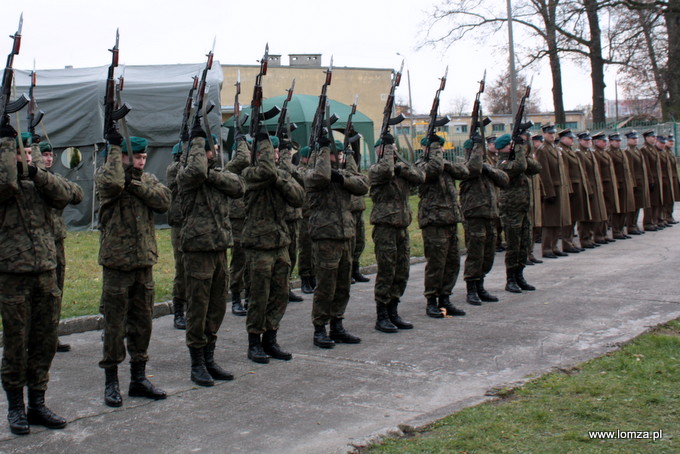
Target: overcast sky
<point>359,33</point>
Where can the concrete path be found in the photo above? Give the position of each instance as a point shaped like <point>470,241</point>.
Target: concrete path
<point>325,401</point>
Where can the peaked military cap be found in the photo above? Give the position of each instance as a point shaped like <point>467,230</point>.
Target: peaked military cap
<point>566,133</point>
<point>632,135</point>
<point>491,139</point>
<point>661,139</point>
<point>615,136</point>
<point>538,137</point>
<point>45,147</point>
<point>549,128</point>
<point>600,136</point>
<point>648,133</point>
<point>670,138</point>
<point>585,135</point>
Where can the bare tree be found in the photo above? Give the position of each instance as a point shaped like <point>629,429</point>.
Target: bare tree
<point>499,95</point>
<point>460,105</point>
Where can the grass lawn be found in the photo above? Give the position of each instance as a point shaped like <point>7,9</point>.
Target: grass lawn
<point>633,389</point>
<point>82,288</point>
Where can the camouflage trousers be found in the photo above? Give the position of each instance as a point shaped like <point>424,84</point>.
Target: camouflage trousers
<point>61,263</point>
<point>238,277</point>
<point>480,239</point>
<point>517,227</point>
<point>269,272</point>
<point>207,280</point>
<point>305,256</point>
<point>333,279</point>
<point>359,236</point>
<point>294,232</point>
<point>178,283</point>
<point>393,253</point>
<point>443,259</point>
<point>29,305</point>
<point>127,305</point>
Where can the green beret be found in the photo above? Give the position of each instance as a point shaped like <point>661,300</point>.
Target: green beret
<point>25,138</point>
<point>304,152</point>
<point>503,141</point>
<point>425,141</point>
<point>177,149</point>
<point>468,144</point>
<point>138,144</point>
<point>275,141</point>
<point>45,147</point>
<point>339,145</point>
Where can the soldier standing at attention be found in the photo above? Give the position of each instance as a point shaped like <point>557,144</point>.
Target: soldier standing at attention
<point>536,214</point>
<point>666,182</point>
<point>266,238</point>
<point>57,219</point>
<point>29,300</point>
<point>515,203</point>
<point>638,167</point>
<point>391,183</point>
<point>579,201</point>
<point>179,300</point>
<point>555,208</point>
<point>625,184</point>
<point>478,199</point>
<point>331,229</point>
<point>204,190</point>
<point>609,185</point>
<point>305,259</point>
<point>128,197</point>
<point>675,182</point>
<point>589,228</point>
<point>438,218</point>
<point>651,220</point>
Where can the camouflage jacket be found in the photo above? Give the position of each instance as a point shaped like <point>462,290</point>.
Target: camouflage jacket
<point>390,192</point>
<point>175,210</point>
<point>127,238</point>
<point>26,239</point>
<point>330,218</point>
<point>237,205</point>
<point>57,223</point>
<point>204,192</point>
<point>438,204</point>
<point>293,213</point>
<point>478,197</point>
<point>268,192</point>
<point>517,195</point>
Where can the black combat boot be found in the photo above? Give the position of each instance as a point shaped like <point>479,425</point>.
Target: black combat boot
<point>255,352</point>
<point>321,339</point>
<point>394,317</point>
<point>307,285</point>
<point>199,373</point>
<point>383,322</point>
<point>445,303</point>
<point>293,298</point>
<point>39,415</point>
<point>432,309</point>
<point>214,369</point>
<point>236,306</point>
<point>339,334</point>
<point>510,282</point>
<point>483,294</point>
<point>472,296</point>
<point>112,396</point>
<point>272,348</point>
<point>16,412</point>
<point>356,274</point>
<point>521,282</point>
<point>179,322</point>
<point>63,347</point>
<point>140,386</point>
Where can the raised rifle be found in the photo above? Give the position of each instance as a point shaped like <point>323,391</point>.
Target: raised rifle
<point>113,112</point>
<point>186,114</point>
<point>388,120</point>
<point>123,122</point>
<point>351,136</point>
<point>476,123</point>
<point>520,127</point>
<point>8,106</point>
<point>434,121</point>
<point>33,116</point>
<point>283,125</point>
<point>256,114</point>
<point>318,122</point>
<point>238,121</point>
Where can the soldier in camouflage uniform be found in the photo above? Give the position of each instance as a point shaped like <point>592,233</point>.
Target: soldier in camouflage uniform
<point>391,183</point>
<point>480,210</point>
<point>238,277</point>
<point>331,228</point>
<point>204,190</point>
<point>30,295</point>
<point>305,259</point>
<point>57,219</point>
<point>179,300</point>
<point>266,239</point>
<point>438,217</point>
<point>128,199</point>
<point>515,203</point>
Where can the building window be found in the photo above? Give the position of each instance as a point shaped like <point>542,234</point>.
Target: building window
<point>461,129</point>
<point>571,125</point>
<point>403,130</point>
<point>498,127</point>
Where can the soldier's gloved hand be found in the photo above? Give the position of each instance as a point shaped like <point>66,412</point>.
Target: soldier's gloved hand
<point>336,177</point>
<point>197,131</point>
<point>477,139</point>
<point>136,173</point>
<point>434,138</point>
<point>519,140</point>
<point>239,137</point>
<point>6,129</point>
<point>128,176</point>
<point>550,200</point>
<point>32,171</point>
<point>397,170</point>
<point>260,136</point>
<point>324,141</point>
<point>388,139</point>
<point>114,138</point>
<point>36,139</point>
<point>285,144</point>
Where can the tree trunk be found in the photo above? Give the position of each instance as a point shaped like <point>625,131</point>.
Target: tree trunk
<point>672,75</point>
<point>555,67</point>
<point>596,61</point>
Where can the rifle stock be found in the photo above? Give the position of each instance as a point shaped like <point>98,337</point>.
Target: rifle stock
<point>434,122</point>
<point>388,120</point>
<point>318,122</point>
<point>256,116</point>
